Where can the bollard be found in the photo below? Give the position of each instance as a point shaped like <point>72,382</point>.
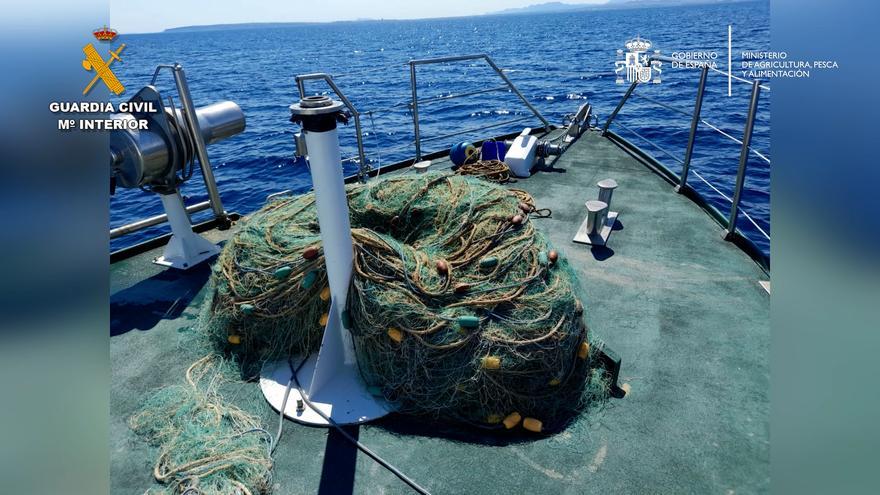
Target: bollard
<point>422,166</point>
<point>597,212</point>
<point>606,190</point>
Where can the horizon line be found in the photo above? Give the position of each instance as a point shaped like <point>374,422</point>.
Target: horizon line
<point>637,4</point>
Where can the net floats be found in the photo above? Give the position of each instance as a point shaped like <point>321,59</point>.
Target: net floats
<point>309,279</point>
<point>323,320</point>
<point>584,350</point>
<point>442,267</point>
<point>246,308</point>
<point>234,339</point>
<point>533,425</point>
<point>516,220</point>
<point>395,334</point>
<point>468,321</point>
<point>283,272</point>
<point>512,420</point>
<point>462,288</point>
<point>325,294</point>
<point>553,255</point>
<point>490,362</point>
<point>488,262</point>
<point>310,253</point>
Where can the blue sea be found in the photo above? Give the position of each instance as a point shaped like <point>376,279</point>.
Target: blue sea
<point>558,61</point>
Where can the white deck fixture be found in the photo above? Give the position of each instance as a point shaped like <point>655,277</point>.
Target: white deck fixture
<point>186,248</point>
<point>521,155</point>
<point>422,166</point>
<point>600,220</point>
<point>330,379</point>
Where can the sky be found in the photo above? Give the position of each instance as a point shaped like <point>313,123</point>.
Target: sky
<point>147,16</point>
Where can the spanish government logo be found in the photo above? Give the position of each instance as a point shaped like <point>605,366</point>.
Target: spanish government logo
<point>638,65</point>
<point>95,62</point>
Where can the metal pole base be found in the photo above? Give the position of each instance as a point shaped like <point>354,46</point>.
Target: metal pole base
<point>186,249</point>
<point>185,252</point>
<point>344,398</point>
<point>330,381</point>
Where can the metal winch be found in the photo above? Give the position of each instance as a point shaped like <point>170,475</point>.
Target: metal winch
<point>162,157</point>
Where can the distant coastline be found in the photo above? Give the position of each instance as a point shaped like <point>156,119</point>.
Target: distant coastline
<point>541,8</point>
<point>559,7</point>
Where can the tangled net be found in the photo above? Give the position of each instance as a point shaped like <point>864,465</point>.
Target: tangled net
<point>458,308</point>
<point>207,446</point>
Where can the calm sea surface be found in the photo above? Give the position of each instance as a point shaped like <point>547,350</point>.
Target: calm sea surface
<point>557,60</point>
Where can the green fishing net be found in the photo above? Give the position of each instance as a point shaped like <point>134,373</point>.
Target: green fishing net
<point>458,308</point>
<point>207,446</point>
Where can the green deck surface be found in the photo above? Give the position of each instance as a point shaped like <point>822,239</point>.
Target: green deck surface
<point>682,308</point>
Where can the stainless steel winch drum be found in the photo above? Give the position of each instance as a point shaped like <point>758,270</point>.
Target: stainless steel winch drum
<point>149,157</point>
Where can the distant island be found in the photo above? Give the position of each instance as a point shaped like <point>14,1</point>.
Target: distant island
<point>542,8</point>
<point>240,25</point>
<point>557,7</point>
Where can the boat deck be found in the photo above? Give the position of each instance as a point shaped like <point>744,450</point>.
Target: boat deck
<point>682,307</point>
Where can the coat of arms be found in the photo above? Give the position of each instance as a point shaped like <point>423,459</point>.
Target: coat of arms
<point>638,64</point>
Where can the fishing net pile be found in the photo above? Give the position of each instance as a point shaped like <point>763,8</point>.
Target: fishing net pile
<point>207,445</point>
<point>459,309</point>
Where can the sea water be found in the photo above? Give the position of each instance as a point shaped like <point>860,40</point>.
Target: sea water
<point>558,61</point>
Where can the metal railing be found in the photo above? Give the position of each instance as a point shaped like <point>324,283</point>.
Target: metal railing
<point>508,85</point>
<point>412,106</point>
<point>746,149</point>
<point>363,167</point>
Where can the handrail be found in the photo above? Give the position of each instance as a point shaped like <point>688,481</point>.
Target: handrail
<point>745,143</point>
<point>695,122</point>
<point>475,129</point>
<point>154,220</point>
<point>459,58</point>
<point>735,140</point>
<point>300,84</point>
<point>664,105</point>
<point>617,109</point>
<point>743,157</point>
<point>652,143</point>
<point>462,95</point>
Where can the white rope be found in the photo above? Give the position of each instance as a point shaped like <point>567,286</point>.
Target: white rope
<point>713,187</point>
<point>737,141</point>
<point>741,209</point>
<point>754,223</point>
